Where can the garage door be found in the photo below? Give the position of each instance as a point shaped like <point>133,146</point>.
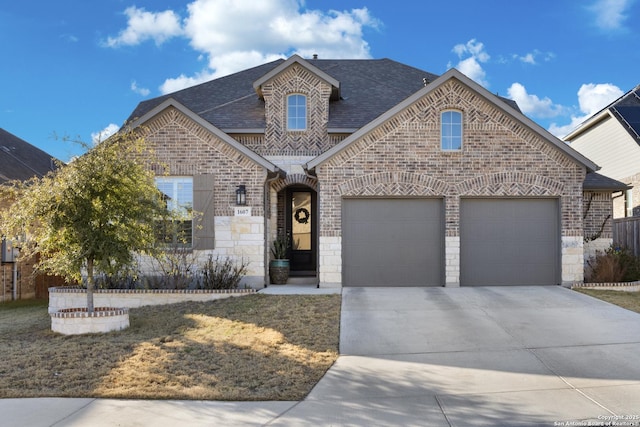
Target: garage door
<point>392,242</point>
<point>509,242</point>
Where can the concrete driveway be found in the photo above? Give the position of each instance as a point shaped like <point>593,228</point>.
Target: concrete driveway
<point>494,356</point>
<point>478,356</point>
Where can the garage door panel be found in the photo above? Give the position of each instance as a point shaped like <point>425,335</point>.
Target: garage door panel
<point>509,242</point>
<point>393,242</point>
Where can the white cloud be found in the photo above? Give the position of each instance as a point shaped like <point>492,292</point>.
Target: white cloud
<point>529,58</point>
<point>594,97</point>
<point>139,90</point>
<point>234,35</point>
<point>591,99</point>
<point>272,29</point>
<point>534,57</point>
<point>470,66</point>
<point>531,104</point>
<point>143,25</point>
<point>611,14</point>
<point>97,137</point>
<point>182,81</point>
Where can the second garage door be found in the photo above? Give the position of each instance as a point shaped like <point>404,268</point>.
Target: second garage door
<point>509,242</point>
<point>393,242</point>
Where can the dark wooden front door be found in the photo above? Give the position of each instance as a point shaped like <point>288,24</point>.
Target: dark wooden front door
<point>302,229</point>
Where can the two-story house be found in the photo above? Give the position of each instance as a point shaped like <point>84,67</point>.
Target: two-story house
<point>611,138</point>
<point>381,174</point>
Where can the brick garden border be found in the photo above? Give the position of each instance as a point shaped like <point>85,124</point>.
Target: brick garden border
<point>614,286</point>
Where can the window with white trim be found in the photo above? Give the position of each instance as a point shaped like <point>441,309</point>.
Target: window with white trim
<point>296,112</point>
<point>177,193</point>
<point>451,130</point>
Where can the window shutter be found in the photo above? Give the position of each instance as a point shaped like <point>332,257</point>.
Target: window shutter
<point>204,223</point>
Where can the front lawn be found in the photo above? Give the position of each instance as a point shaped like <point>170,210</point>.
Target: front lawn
<point>254,347</point>
<point>628,300</point>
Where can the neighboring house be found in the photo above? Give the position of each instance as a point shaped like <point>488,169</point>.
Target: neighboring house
<point>611,138</point>
<point>380,173</point>
<point>21,161</point>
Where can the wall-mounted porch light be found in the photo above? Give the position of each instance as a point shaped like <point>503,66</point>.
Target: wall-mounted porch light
<point>241,195</point>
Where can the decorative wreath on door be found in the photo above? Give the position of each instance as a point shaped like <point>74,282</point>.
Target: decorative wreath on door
<point>302,215</point>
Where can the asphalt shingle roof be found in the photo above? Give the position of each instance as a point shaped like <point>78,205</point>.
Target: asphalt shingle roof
<point>596,182</point>
<point>21,160</point>
<point>368,88</point>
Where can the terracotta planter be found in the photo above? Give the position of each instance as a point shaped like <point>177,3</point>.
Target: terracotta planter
<point>279,271</point>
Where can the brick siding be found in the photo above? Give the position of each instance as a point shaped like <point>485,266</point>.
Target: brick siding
<point>597,214</point>
<point>183,147</point>
<point>500,157</point>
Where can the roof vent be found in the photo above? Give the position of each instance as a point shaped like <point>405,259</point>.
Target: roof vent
<point>315,56</point>
<point>425,81</point>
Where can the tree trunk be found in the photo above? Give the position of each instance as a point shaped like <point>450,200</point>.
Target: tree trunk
<point>90,286</point>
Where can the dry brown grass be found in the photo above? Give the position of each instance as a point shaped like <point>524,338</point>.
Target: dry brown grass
<point>256,347</point>
<point>628,300</point>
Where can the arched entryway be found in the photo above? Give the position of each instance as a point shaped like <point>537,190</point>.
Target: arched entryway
<point>295,214</point>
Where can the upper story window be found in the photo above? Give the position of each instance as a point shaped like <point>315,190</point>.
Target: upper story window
<point>451,130</point>
<point>296,112</point>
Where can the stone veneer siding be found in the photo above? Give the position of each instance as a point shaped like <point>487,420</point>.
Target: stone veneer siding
<point>500,158</point>
<point>187,149</point>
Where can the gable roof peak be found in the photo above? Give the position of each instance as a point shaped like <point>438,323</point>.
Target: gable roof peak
<point>297,59</point>
<point>454,74</point>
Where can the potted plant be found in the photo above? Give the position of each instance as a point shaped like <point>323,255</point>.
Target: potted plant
<point>279,265</point>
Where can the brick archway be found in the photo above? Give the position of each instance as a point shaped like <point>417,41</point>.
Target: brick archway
<point>295,179</point>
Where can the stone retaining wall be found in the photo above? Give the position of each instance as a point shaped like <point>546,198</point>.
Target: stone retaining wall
<point>71,297</point>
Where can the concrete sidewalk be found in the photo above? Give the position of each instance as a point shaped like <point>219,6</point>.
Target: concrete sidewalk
<point>495,356</point>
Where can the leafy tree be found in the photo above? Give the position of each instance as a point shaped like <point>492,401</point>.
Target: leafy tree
<point>92,215</point>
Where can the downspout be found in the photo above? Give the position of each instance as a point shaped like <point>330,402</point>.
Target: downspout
<point>271,177</point>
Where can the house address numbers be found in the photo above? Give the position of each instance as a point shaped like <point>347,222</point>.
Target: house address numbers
<point>242,211</point>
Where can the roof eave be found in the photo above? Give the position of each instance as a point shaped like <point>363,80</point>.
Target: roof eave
<point>588,124</point>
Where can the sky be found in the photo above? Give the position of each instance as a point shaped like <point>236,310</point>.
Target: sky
<point>75,69</point>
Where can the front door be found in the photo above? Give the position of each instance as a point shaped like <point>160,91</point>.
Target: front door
<point>301,227</point>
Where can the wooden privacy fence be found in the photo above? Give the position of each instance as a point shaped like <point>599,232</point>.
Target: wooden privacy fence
<point>626,234</point>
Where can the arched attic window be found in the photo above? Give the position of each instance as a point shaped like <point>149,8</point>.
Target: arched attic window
<point>296,112</point>
<point>451,130</point>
